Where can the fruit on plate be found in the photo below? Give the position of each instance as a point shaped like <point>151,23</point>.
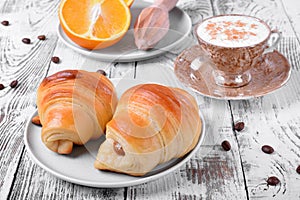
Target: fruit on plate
<point>95,24</point>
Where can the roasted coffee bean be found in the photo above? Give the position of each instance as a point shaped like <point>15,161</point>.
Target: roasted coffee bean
<point>100,71</point>
<point>36,120</point>
<point>298,169</point>
<point>26,41</point>
<point>226,145</point>
<point>1,86</point>
<point>118,149</point>
<point>55,59</point>
<point>267,149</point>
<point>13,84</point>
<point>273,180</point>
<point>41,37</point>
<point>5,23</point>
<point>239,126</point>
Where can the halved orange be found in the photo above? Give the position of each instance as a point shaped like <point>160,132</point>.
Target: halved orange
<point>94,24</point>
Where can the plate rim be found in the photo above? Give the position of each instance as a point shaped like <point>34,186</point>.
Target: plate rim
<point>98,184</point>
<point>127,57</point>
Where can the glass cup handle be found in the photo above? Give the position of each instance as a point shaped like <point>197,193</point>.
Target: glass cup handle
<point>273,41</point>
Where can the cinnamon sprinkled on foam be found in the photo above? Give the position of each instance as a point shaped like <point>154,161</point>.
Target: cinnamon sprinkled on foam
<point>232,34</point>
<point>233,31</point>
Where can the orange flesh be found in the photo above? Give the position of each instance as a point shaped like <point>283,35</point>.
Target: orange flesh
<point>107,23</point>
<point>78,22</point>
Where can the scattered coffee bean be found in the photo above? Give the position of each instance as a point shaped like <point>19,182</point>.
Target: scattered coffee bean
<point>5,23</point>
<point>41,37</point>
<point>273,180</point>
<point>36,120</point>
<point>100,71</point>
<point>267,149</point>
<point>13,84</point>
<point>298,169</point>
<point>226,145</point>
<point>55,59</point>
<point>26,41</point>
<point>239,126</point>
<point>1,86</point>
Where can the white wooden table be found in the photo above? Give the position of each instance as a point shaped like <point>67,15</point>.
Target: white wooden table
<point>240,173</point>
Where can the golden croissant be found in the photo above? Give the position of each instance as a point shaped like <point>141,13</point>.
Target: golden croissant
<point>152,124</point>
<point>74,107</point>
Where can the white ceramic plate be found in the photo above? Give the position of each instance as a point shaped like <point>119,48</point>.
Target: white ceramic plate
<point>78,167</point>
<point>126,51</point>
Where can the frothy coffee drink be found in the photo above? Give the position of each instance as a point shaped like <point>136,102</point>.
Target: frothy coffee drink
<point>233,31</point>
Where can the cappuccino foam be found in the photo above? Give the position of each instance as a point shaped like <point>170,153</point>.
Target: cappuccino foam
<point>233,31</point>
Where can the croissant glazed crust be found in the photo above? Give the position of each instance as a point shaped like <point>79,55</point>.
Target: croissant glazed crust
<point>74,107</point>
<point>153,124</point>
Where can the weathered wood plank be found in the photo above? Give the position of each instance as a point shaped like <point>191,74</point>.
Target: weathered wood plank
<point>293,13</point>
<point>27,64</point>
<point>212,173</point>
<point>35,183</point>
<point>271,119</point>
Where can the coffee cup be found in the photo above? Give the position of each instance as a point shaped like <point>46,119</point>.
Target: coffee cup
<point>232,45</point>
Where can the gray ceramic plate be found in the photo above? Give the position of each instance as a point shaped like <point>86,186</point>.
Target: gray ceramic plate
<point>78,167</point>
<point>126,51</point>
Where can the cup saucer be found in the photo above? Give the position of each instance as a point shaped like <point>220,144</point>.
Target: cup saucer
<point>269,75</point>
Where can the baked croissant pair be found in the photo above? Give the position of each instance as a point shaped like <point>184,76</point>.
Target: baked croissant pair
<point>151,123</point>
